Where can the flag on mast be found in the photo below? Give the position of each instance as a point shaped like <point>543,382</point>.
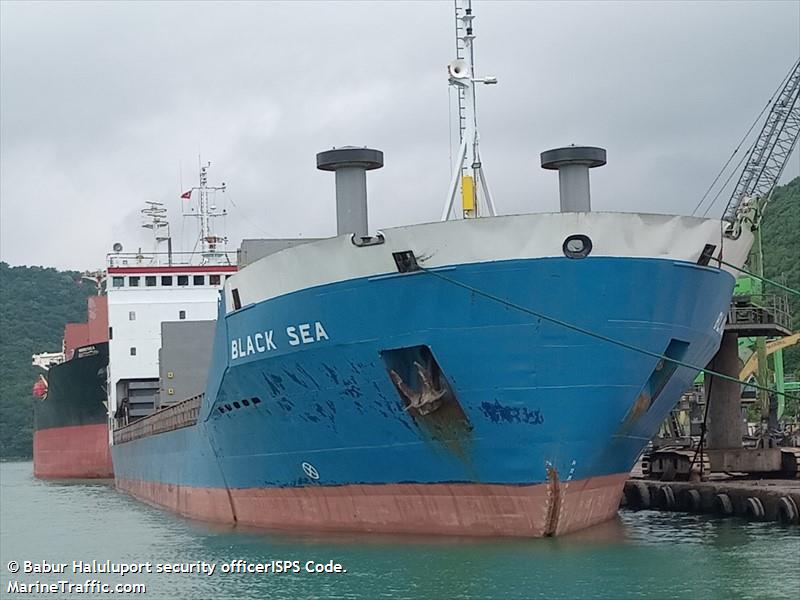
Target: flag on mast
<point>187,195</point>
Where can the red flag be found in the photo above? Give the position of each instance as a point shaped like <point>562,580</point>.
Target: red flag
<point>186,195</point>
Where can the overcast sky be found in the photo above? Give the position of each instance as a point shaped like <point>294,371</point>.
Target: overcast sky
<point>106,105</point>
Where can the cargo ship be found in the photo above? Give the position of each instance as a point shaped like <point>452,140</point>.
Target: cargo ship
<point>484,375</point>
<point>70,438</point>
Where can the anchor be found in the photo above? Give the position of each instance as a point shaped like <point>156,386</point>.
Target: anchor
<point>427,399</point>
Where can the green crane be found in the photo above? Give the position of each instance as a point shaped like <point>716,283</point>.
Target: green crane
<point>765,163</point>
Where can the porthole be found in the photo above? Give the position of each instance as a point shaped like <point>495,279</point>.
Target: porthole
<point>577,246</point>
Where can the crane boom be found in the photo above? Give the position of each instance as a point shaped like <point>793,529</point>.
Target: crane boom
<point>752,363</point>
<point>768,157</point>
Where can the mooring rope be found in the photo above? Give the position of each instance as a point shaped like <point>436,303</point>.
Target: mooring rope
<point>600,336</point>
<point>760,277</point>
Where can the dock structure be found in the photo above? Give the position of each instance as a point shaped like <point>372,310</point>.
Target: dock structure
<point>759,500</point>
<point>765,316</point>
<point>717,438</point>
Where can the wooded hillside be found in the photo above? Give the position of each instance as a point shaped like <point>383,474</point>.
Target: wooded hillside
<point>780,232</point>
<point>35,304</point>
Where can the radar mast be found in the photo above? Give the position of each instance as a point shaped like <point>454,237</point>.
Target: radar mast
<point>468,174</point>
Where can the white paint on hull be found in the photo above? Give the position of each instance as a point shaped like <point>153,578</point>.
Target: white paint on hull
<point>467,241</point>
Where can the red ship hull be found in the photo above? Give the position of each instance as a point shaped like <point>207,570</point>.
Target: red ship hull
<point>70,439</point>
<point>74,452</point>
<point>428,509</point>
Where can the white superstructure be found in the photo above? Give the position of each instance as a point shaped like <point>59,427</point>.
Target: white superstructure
<point>148,289</point>
<point>140,299</point>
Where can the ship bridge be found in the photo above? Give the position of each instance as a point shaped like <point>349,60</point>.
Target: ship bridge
<point>141,297</point>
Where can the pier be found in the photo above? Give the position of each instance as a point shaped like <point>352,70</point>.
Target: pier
<point>758,500</point>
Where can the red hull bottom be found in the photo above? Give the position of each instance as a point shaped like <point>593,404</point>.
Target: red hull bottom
<point>551,508</point>
<point>77,452</point>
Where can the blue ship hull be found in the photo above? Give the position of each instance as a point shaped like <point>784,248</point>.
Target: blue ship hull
<point>302,423</point>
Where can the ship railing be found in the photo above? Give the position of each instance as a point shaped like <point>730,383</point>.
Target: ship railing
<point>175,259</point>
<point>761,311</point>
<point>177,416</point>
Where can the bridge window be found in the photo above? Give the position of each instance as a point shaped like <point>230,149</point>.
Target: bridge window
<point>166,280</point>
<point>150,281</point>
<point>132,316</point>
<point>182,315</point>
<point>213,279</point>
<point>199,280</point>
<point>183,280</point>
<point>118,281</point>
<point>133,281</point>
<point>133,351</point>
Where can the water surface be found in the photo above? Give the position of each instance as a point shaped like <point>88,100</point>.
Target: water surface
<point>638,555</point>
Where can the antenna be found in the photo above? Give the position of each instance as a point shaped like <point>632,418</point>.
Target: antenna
<point>212,246</point>
<point>155,219</point>
<point>468,169</point>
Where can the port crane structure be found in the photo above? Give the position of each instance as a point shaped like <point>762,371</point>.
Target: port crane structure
<point>753,314</point>
<point>767,159</point>
<point>764,165</point>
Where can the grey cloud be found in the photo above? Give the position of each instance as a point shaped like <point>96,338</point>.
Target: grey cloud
<point>104,105</point>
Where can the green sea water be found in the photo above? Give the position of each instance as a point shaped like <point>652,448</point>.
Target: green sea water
<point>638,555</point>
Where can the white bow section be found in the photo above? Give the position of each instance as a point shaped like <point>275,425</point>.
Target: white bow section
<point>483,240</point>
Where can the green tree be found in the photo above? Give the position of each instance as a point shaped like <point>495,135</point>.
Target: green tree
<point>780,235</point>
<point>35,304</point>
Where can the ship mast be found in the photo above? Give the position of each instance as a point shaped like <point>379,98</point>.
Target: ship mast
<point>212,246</point>
<point>468,174</point>
<point>156,220</point>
